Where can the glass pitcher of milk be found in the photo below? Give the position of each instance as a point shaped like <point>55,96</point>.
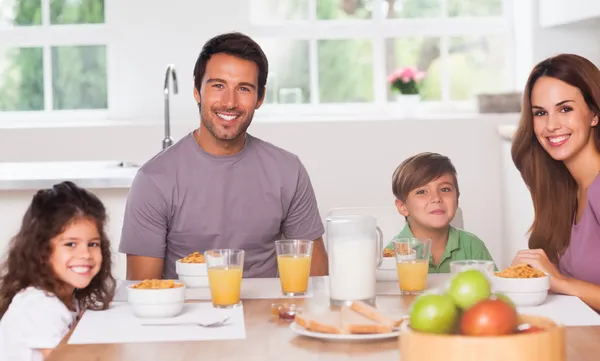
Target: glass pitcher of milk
<point>355,250</point>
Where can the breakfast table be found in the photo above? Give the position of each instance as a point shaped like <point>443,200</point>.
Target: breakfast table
<point>269,338</point>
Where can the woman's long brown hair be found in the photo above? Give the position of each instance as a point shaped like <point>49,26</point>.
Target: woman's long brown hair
<point>553,189</point>
<point>50,212</point>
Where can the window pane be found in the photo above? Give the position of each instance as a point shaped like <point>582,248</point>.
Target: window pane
<point>273,11</point>
<point>420,53</point>
<point>477,64</point>
<point>76,11</point>
<point>289,70</point>
<point>20,12</point>
<point>79,77</point>
<point>475,8</point>
<point>345,71</point>
<point>343,9</point>
<point>21,79</point>
<point>412,8</point>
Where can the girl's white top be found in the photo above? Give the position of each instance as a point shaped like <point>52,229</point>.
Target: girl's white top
<point>34,320</point>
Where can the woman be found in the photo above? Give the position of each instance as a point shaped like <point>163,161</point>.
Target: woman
<point>557,150</point>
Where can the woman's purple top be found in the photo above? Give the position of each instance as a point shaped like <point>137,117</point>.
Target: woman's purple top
<point>581,260</point>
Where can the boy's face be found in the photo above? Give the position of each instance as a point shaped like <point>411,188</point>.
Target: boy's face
<point>431,206</point>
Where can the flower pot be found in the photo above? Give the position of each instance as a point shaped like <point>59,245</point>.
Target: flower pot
<point>408,98</point>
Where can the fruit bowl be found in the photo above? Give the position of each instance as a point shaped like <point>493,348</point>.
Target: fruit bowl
<point>547,344</point>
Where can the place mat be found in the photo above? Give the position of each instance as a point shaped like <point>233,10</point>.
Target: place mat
<point>566,310</point>
<point>435,281</point>
<point>118,324</point>
<point>252,288</point>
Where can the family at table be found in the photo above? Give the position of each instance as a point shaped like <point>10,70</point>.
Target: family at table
<point>220,187</point>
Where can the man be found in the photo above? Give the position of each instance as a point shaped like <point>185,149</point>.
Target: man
<point>220,187</point>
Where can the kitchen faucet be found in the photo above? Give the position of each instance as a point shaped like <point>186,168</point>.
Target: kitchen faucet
<point>167,141</point>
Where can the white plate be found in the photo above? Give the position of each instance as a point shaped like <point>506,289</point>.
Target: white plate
<point>341,337</point>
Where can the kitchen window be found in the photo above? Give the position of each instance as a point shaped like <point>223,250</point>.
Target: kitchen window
<point>52,57</point>
<point>338,54</point>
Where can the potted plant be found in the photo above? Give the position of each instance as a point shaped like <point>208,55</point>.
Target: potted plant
<point>406,82</point>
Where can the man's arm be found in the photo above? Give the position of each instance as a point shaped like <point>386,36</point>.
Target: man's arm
<point>144,233</point>
<point>144,268</point>
<point>319,264</point>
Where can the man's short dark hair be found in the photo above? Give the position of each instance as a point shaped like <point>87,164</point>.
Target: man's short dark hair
<point>238,45</point>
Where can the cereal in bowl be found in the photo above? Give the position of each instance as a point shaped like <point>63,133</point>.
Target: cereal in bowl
<point>193,258</point>
<point>157,284</point>
<point>389,253</point>
<point>522,270</point>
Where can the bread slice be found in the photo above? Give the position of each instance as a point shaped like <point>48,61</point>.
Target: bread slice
<point>329,322</point>
<point>354,322</point>
<point>376,315</point>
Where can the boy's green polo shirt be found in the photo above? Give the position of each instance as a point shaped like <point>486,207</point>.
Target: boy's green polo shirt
<point>461,246</point>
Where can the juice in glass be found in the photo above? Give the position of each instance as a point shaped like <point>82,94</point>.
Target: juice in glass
<point>412,263</point>
<point>293,262</point>
<point>225,270</point>
<point>294,272</point>
<point>412,275</point>
<point>225,285</point>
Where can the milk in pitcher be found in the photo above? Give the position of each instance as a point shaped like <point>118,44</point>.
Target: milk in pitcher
<point>352,270</point>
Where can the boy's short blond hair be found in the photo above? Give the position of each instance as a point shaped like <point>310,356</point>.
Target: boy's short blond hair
<point>419,170</point>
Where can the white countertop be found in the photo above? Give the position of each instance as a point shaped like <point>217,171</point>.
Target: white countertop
<point>87,174</point>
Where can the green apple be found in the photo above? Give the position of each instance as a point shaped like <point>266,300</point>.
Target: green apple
<point>434,313</point>
<point>469,287</point>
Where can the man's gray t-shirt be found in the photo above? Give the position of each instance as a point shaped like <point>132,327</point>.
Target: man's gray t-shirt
<point>186,200</point>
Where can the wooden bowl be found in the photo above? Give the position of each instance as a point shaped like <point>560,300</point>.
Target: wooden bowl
<point>547,345</point>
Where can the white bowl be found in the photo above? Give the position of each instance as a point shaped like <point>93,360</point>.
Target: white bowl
<point>190,269</point>
<point>521,285</point>
<point>527,298</point>
<point>166,310</point>
<point>386,275</point>
<point>388,263</point>
<point>156,303</point>
<point>194,281</point>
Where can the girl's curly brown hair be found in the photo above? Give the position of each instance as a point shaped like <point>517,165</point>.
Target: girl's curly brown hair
<point>28,263</point>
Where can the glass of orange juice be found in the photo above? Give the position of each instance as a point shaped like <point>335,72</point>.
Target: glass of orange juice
<point>293,262</point>
<point>412,264</point>
<point>225,268</point>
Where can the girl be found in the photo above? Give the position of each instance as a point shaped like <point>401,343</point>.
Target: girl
<point>58,265</point>
<point>557,150</point>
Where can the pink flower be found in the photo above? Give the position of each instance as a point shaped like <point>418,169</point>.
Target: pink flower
<point>407,75</point>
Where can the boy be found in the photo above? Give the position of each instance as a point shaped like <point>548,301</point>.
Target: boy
<point>426,191</point>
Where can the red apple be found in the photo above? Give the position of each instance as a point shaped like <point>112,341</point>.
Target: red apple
<point>491,317</point>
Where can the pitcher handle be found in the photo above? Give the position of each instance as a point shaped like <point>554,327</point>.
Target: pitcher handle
<point>379,247</point>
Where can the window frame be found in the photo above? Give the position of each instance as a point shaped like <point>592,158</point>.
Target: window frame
<point>46,36</point>
<point>378,29</point>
